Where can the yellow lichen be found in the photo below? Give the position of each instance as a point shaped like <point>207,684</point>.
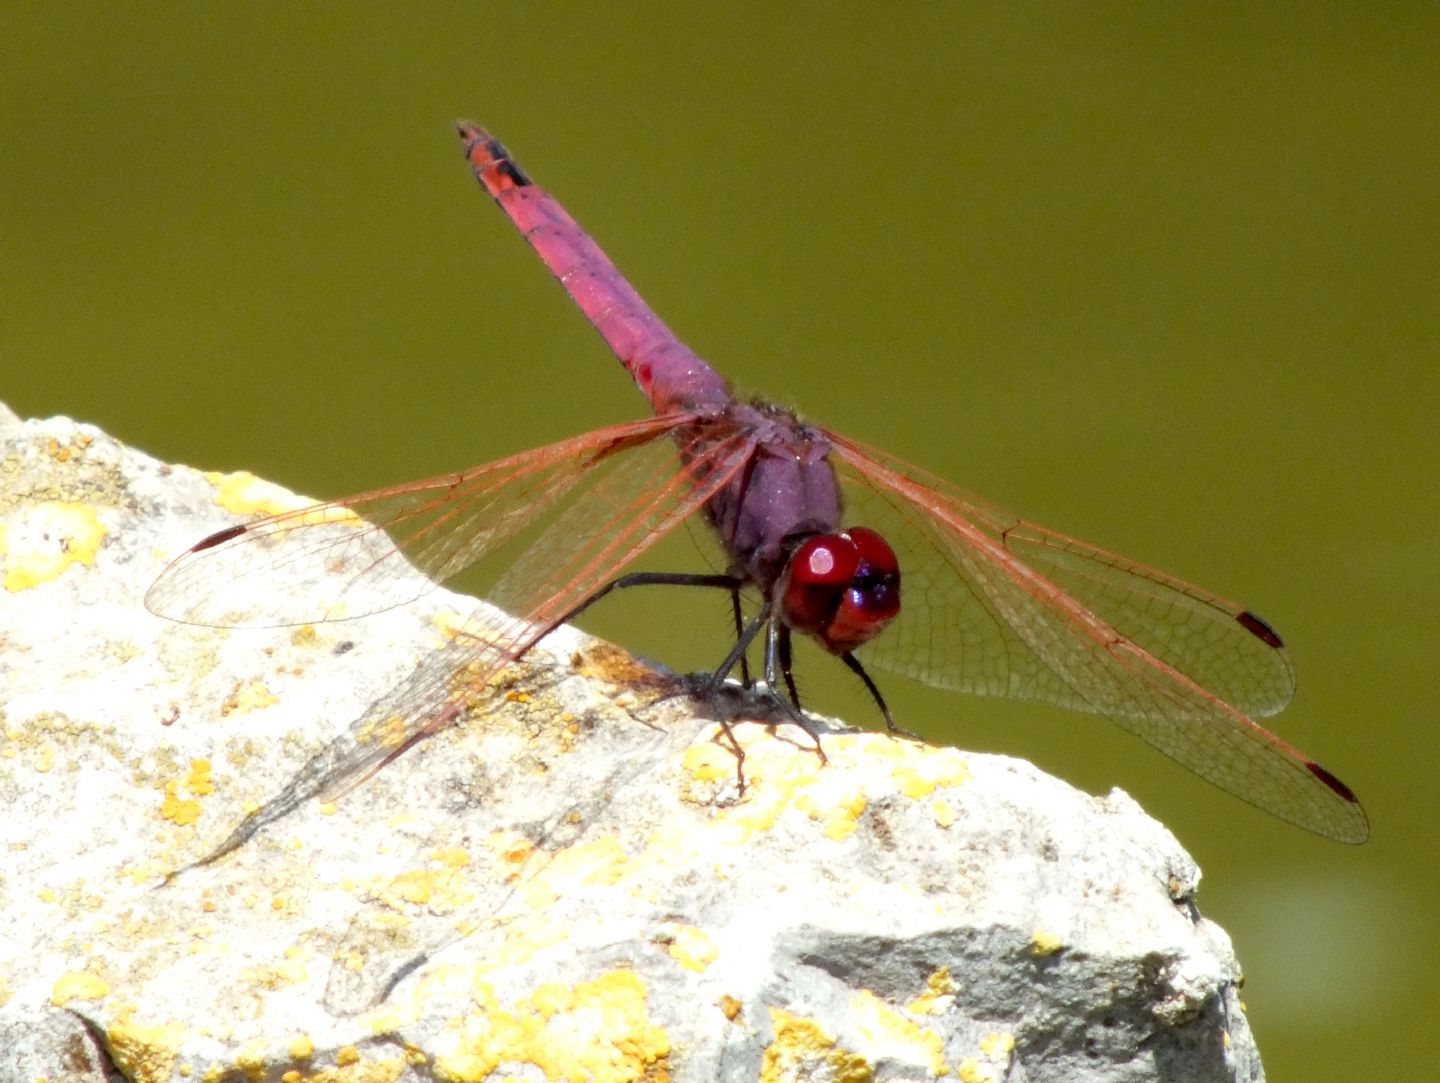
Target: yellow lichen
<point>302,1048</point>
<point>600,861</point>
<point>782,773</point>
<point>922,772</point>
<point>244,494</point>
<point>708,762</point>
<point>388,732</point>
<point>186,811</point>
<point>78,985</point>
<point>178,810</point>
<point>944,812</point>
<point>802,1050</point>
<point>50,537</point>
<point>691,947</point>
<point>143,1050</point>
<point>838,807</point>
<point>198,782</point>
<point>246,696</point>
<point>940,990</point>
<point>1045,942</point>
<point>510,846</point>
<point>594,1032</point>
<point>994,1062</point>
<point>453,856</point>
<point>882,1025</point>
<point>970,1071</point>
<point>997,1044</point>
<point>437,885</point>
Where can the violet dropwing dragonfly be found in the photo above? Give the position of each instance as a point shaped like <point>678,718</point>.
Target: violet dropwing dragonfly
<point>993,605</point>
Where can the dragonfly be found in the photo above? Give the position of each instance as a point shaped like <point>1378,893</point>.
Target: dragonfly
<point>817,533</point>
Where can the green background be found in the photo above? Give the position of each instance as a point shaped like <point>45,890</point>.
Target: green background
<point>1162,277</point>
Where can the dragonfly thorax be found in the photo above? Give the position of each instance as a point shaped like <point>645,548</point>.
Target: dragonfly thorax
<point>784,491</point>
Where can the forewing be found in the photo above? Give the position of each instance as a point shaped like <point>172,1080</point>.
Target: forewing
<point>960,638</point>
<point>388,545</point>
<point>993,605</point>
<point>622,509</point>
<point>622,503</point>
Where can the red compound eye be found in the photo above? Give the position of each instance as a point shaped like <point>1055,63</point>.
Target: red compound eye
<point>841,588</point>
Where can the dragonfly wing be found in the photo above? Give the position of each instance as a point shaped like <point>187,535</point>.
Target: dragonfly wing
<point>622,512</point>
<point>587,792</point>
<point>390,546</point>
<point>1087,630</point>
<point>430,698</point>
<point>625,503</point>
<point>1220,645</point>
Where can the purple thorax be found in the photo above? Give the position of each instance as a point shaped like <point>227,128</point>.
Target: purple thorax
<point>785,493</point>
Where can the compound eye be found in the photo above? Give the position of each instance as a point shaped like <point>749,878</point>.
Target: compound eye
<point>873,598</point>
<point>841,588</point>
<point>874,552</point>
<point>815,580</point>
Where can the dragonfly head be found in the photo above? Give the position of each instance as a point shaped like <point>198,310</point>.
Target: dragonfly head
<point>840,588</point>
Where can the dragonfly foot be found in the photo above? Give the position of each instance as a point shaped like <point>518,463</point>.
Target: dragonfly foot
<point>901,731</point>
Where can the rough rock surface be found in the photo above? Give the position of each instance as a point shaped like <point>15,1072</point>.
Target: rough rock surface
<point>569,887</point>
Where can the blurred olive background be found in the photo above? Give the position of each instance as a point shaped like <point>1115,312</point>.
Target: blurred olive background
<point>1163,277</point>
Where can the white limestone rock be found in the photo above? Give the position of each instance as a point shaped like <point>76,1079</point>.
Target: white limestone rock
<point>569,887</point>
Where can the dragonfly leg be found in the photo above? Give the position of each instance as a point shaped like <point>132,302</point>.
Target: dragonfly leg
<point>739,631</point>
<point>856,668</point>
<point>787,665</point>
<point>711,684</point>
<point>733,583</point>
<point>778,656</point>
<point>736,654</point>
<point>743,635</point>
<point>665,579</point>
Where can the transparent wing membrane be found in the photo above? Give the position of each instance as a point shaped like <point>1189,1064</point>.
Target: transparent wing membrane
<point>962,646</point>
<point>392,545</point>
<point>626,490</point>
<point>997,606</point>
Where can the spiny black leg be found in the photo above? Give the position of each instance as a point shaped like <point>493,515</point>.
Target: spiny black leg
<point>739,630</point>
<point>744,636</point>
<point>787,667</point>
<point>647,579</point>
<point>777,655</point>
<point>734,743</point>
<point>742,644</point>
<point>737,654</point>
<point>859,670</point>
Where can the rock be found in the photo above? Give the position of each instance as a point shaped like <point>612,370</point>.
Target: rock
<point>566,885</point>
